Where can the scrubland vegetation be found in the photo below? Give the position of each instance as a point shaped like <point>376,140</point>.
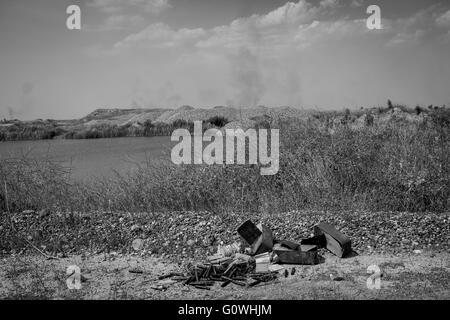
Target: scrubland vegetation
<point>398,165</point>
<point>49,129</point>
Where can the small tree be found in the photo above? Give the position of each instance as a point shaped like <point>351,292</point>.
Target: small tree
<point>389,103</point>
<point>218,121</point>
<point>418,110</point>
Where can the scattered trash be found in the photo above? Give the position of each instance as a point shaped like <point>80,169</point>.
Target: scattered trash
<point>259,237</point>
<point>260,262</point>
<point>158,287</point>
<point>289,256</point>
<point>336,242</point>
<point>275,267</point>
<point>228,250</point>
<point>167,282</point>
<point>249,232</point>
<point>169,275</point>
<point>136,270</point>
<point>292,271</point>
<point>308,247</point>
<point>318,241</point>
<point>243,257</point>
<point>290,244</point>
<point>333,278</point>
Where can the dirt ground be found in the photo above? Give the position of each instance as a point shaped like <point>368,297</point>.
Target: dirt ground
<point>424,275</point>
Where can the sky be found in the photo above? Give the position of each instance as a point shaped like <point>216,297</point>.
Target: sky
<point>204,53</point>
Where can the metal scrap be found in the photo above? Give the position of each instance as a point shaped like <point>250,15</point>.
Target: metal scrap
<point>261,265</point>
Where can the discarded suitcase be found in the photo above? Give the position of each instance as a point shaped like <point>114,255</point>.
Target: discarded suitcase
<point>259,237</point>
<point>336,242</point>
<point>289,256</point>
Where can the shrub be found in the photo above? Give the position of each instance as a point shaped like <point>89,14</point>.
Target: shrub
<point>389,104</point>
<point>218,121</point>
<point>418,110</point>
<point>394,167</point>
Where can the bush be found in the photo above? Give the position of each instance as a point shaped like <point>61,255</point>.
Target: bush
<point>441,117</point>
<point>217,121</point>
<point>33,184</point>
<point>398,167</point>
<point>36,130</point>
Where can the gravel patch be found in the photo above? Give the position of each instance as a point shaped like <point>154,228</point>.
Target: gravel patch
<point>193,235</point>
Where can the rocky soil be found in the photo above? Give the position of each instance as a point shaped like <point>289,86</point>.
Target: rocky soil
<point>105,276</point>
<point>180,236</point>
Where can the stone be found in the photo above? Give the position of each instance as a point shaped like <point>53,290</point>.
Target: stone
<point>136,227</point>
<point>137,244</point>
<point>44,213</point>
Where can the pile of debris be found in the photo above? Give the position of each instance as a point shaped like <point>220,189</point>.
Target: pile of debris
<point>258,258</point>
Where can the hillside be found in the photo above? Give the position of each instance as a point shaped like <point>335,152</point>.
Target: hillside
<point>108,123</point>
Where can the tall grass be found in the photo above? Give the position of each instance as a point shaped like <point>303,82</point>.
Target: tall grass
<point>396,167</point>
<point>33,184</point>
<point>36,130</point>
<point>48,129</point>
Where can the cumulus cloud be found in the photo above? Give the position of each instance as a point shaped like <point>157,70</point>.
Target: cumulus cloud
<point>290,13</point>
<point>444,20</point>
<point>357,3</point>
<point>293,26</point>
<point>403,38</point>
<point>261,52</point>
<point>325,31</point>
<point>121,15</point>
<point>118,23</point>
<point>160,35</point>
<point>250,45</point>
<point>329,3</point>
<point>114,6</point>
<point>275,30</point>
<point>413,30</point>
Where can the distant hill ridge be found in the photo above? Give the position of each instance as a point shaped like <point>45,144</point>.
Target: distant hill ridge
<point>247,117</point>
<point>117,122</point>
<point>187,113</point>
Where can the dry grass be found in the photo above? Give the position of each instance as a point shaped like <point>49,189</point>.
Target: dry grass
<point>396,167</point>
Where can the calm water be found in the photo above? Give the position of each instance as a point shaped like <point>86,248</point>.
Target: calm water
<point>94,157</point>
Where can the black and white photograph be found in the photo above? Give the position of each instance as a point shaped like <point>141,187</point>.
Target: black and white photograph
<point>249,151</point>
